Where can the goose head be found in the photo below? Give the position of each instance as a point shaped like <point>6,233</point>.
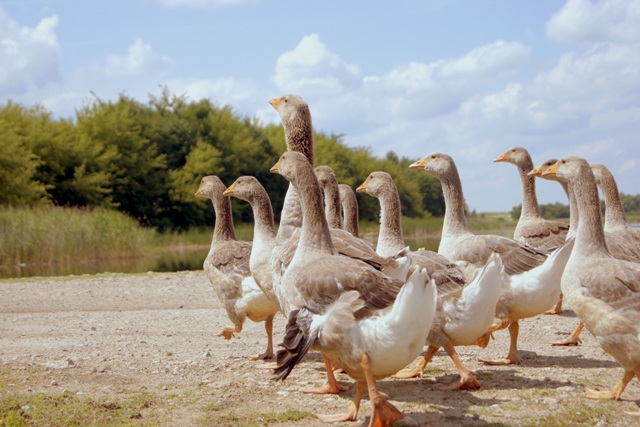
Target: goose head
<point>438,165</point>
<point>244,188</point>
<point>567,168</point>
<point>516,155</point>
<point>290,163</point>
<point>211,187</point>
<point>376,184</point>
<point>543,167</point>
<point>326,176</point>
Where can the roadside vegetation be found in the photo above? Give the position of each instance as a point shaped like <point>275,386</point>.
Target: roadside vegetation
<point>120,177</point>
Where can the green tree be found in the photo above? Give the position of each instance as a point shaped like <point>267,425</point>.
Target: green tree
<point>18,163</point>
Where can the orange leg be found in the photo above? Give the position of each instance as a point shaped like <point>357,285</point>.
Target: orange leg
<point>352,411</point>
<point>558,307</point>
<point>468,380</point>
<point>332,386</point>
<point>615,392</point>
<point>268,327</point>
<point>418,370</point>
<point>383,413</point>
<point>574,338</point>
<point>512,357</point>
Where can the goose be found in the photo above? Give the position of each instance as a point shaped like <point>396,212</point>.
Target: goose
<point>464,312</point>
<point>367,323</point>
<point>615,220</point>
<point>227,266</point>
<point>615,244</point>
<point>604,291</point>
<point>532,280</point>
<point>298,130</point>
<point>249,189</point>
<point>329,185</point>
<point>532,229</point>
<point>350,214</point>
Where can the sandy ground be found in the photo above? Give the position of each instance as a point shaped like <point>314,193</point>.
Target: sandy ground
<point>112,336</point>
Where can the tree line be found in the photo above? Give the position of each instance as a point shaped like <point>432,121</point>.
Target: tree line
<point>146,160</point>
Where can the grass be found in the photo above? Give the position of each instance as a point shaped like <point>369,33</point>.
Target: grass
<point>257,419</point>
<point>46,234</point>
<point>68,409</point>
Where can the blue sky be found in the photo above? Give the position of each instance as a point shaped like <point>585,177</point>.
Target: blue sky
<point>468,78</point>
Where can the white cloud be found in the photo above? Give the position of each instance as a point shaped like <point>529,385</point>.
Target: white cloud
<point>205,3</point>
<point>29,57</point>
<point>139,59</point>
<point>311,68</point>
<point>608,20</point>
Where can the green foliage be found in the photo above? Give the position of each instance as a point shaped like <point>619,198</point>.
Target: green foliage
<point>18,162</point>
<point>550,211</point>
<point>146,160</point>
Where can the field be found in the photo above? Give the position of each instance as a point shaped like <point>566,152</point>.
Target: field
<point>139,350</point>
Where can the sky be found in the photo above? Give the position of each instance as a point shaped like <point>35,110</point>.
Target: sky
<point>467,78</point>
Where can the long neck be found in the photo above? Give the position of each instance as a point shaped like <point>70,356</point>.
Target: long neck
<point>614,216</point>
<point>291,215</point>
<point>350,212</point>
<point>263,216</point>
<point>530,207</point>
<point>574,214</point>
<point>454,219</point>
<point>390,239</point>
<point>298,134</point>
<point>590,233</point>
<point>223,229</point>
<point>332,205</point>
<point>315,236</point>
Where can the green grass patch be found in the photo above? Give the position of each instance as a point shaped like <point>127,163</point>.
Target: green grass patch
<point>211,417</point>
<point>46,234</point>
<point>587,413</point>
<point>67,409</point>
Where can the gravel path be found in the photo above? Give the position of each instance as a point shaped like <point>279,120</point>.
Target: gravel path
<point>113,337</point>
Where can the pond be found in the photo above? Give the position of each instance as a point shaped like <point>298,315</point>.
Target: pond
<point>157,260</point>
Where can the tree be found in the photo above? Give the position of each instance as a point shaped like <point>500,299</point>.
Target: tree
<point>18,163</point>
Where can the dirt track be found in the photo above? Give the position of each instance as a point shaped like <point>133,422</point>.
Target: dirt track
<point>113,337</point>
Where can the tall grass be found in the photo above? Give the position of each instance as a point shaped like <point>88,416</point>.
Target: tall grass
<point>46,234</point>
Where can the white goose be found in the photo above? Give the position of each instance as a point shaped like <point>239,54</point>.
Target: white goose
<point>532,229</point>
<point>369,324</point>
<point>249,189</point>
<point>464,312</point>
<point>532,281</point>
<point>228,268</point>
<point>604,291</point>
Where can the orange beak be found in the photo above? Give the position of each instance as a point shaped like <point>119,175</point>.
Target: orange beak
<point>535,172</point>
<point>501,158</point>
<point>419,165</point>
<point>551,170</point>
<point>275,168</point>
<point>199,192</point>
<point>229,191</point>
<point>363,187</point>
<point>275,102</point>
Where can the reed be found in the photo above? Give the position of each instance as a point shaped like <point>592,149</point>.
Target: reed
<point>46,234</point>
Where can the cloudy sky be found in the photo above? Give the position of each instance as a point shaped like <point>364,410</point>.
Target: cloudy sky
<point>467,78</point>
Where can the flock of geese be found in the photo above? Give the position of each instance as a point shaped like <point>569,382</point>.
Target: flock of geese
<point>369,311</point>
